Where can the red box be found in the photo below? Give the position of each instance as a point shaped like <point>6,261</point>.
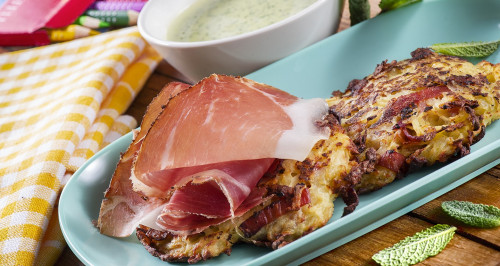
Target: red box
<point>22,21</point>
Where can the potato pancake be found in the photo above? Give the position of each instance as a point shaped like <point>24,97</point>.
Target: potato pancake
<point>416,112</point>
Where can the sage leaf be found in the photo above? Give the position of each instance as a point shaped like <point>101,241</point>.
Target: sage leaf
<point>466,49</point>
<point>416,248</point>
<point>473,214</point>
<point>386,5</point>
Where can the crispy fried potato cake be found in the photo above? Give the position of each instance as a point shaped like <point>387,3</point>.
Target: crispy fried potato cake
<point>416,112</point>
<point>281,218</point>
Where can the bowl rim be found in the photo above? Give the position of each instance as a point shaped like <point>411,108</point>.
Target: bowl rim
<point>246,35</point>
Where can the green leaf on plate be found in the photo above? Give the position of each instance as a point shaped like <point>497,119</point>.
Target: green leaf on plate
<point>359,10</point>
<point>466,49</point>
<point>473,214</point>
<point>387,5</point>
<point>416,248</point>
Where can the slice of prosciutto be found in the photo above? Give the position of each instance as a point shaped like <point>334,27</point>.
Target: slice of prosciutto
<point>224,119</point>
<point>212,144</point>
<point>205,152</point>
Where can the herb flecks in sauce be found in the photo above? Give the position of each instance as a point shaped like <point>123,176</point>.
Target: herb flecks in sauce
<point>211,20</point>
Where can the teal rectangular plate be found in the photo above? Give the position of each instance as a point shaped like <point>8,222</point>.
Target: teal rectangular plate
<point>315,72</point>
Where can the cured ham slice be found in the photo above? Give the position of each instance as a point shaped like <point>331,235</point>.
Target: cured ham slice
<point>122,208</point>
<point>290,199</point>
<point>213,142</point>
<point>225,119</point>
<point>182,222</point>
<point>210,194</point>
<point>396,107</point>
<point>202,150</point>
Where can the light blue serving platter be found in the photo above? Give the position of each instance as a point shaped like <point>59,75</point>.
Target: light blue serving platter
<point>315,72</point>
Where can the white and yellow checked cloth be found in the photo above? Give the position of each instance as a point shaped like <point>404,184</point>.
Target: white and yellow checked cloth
<point>59,105</point>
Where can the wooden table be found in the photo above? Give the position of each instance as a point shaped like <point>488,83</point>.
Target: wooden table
<point>469,246</point>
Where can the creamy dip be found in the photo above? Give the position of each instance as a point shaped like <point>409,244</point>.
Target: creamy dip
<point>216,19</point>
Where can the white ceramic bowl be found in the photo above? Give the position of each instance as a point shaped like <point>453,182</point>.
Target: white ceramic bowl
<point>241,54</point>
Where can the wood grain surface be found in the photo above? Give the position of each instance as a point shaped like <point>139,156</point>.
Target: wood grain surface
<point>469,246</point>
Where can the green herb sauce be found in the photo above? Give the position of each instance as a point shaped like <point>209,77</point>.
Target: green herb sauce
<point>216,19</point>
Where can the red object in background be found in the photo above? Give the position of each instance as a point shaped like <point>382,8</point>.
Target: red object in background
<point>21,21</point>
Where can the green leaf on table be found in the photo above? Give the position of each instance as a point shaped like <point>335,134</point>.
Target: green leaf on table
<point>359,11</point>
<point>466,49</point>
<point>387,5</point>
<point>473,214</point>
<point>416,248</point>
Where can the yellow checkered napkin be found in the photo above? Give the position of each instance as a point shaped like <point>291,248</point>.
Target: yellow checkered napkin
<point>59,104</point>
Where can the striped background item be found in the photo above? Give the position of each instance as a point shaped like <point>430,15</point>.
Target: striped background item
<point>53,241</point>
<point>118,100</point>
<point>57,105</point>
